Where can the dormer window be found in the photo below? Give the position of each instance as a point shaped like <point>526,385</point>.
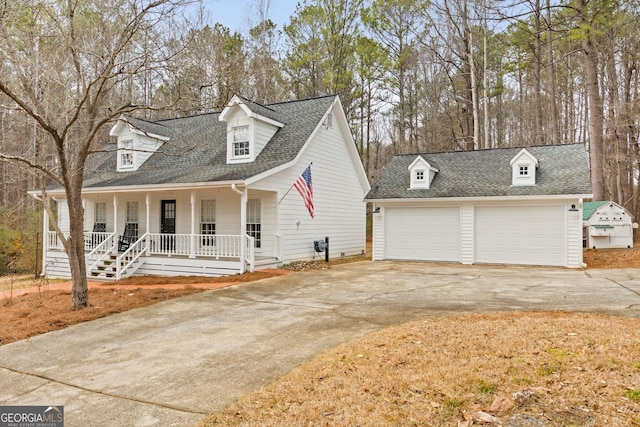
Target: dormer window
<point>523,167</point>
<point>421,174</point>
<point>250,127</point>
<point>241,141</point>
<point>136,142</point>
<point>126,154</point>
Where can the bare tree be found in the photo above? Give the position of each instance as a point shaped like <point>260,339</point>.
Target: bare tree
<point>65,65</point>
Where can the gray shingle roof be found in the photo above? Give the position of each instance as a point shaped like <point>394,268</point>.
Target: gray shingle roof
<point>563,169</point>
<point>196,151</point>
<point>262,110</point>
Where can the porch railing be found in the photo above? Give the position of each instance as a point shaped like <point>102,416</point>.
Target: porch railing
<point>195,245</point>
<point>91,240</point>
<point>53,242</point>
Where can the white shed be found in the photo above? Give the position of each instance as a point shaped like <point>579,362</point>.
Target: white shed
<point>607,225</point>
<point>498,206</point>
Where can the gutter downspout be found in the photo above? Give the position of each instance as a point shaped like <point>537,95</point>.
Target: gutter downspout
<point>243,225</point>
<point>45,234</point>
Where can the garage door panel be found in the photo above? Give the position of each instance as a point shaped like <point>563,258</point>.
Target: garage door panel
<point>520,235</point>
<point>431,234</point>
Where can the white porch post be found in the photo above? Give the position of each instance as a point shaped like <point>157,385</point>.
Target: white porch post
<point>115,215</point>
<point>84,215</point>
<point>243,226</point>
<point>192,249</point>
<point>45,237</point>
<point>148,218</point>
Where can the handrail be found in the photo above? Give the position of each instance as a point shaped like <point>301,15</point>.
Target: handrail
<point>250,253</point>
<point>101,251</point>
<point>134,251</point>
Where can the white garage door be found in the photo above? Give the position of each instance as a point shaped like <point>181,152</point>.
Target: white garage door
<point>520,235</point>
<point>430,234</point>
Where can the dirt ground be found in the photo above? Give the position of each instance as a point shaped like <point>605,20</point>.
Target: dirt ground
<point>612,258</point>
<point>23,315</point>
<point>569,369</point>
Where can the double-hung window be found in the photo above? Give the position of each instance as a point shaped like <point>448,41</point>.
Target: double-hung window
<point>208,222</point>
<point>524,170</point>
<point>126,154</point>
<point>253,221</point>
<point>241,141</point>
<point>100,217</point>
<point>132,219</point>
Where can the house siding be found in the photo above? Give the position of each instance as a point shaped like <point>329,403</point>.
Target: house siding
<point>340,210</point>
<point>467,223</point>
<point>263,132</point>
<point>377,234</point>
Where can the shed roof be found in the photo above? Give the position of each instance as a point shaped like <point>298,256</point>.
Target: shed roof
<point>588,208</point>
<point>563,170</point>
<point>196,151</point>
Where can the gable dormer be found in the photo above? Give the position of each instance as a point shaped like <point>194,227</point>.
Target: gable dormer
<point>421,174</point>
<point>250,127</point>
<point>523,169</point>
<point>135,143</point>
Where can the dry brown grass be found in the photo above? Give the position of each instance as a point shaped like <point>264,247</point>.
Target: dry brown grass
<point>558,369</point>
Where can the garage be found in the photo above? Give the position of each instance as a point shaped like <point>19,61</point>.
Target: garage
<point>532,235</point>
<point>419,233</point>
<point>515,205</point>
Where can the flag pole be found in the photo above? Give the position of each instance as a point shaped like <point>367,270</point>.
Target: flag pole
<point>294,183</point>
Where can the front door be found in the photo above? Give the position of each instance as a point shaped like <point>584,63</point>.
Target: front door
<point>167,224</point>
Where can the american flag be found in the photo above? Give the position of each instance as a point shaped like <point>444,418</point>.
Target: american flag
<point>304,187</point>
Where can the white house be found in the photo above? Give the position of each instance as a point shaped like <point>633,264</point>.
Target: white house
<point>607,225</point>
<point>505,206</point>
<point>213,194</point>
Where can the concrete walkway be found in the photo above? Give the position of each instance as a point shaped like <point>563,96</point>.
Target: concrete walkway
<point>171,363</point>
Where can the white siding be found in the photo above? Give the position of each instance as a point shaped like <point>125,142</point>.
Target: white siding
<point>574,238</point>
<point>468,225</point>
<point>263,132</point>
<point>169,266</point>
<point>338,197</point>
<point>63,216</point>
<point>377,234</point>
<point>57,265</point>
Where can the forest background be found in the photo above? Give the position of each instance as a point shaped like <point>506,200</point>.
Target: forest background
<point>412,75</point>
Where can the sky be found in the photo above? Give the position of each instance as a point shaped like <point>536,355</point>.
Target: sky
<point>234,14</point>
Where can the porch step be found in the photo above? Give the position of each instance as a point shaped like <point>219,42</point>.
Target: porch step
<point>107,268</point>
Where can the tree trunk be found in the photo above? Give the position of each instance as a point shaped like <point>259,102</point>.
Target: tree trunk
<point>555,117</point>
<point>75,251</point>
<point>595,118</point>
<point>538,136</point>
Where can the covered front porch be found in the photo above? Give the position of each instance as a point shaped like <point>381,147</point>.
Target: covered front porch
<point>206,232</point>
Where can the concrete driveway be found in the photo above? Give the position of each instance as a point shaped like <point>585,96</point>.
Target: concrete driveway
<point>172,363</point>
